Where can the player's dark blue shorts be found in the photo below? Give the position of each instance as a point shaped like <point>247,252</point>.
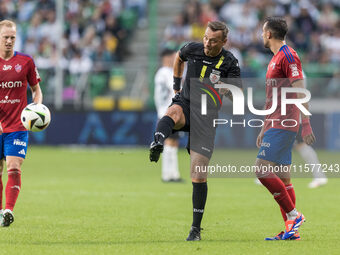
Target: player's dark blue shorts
<point>277,146</point>
<point>14,144</point>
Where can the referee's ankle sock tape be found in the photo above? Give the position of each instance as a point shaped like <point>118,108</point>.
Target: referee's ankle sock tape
<point>199,197</point>
<point>164,129</point>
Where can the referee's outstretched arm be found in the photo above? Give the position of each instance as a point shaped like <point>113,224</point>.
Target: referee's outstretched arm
<point>178,72</point>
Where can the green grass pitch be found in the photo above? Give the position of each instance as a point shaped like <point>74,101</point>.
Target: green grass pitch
<point>111,201</point>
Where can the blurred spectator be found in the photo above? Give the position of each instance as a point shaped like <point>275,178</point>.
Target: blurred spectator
<point>328,17</point>
<point>4,11</point>
<point>117,33</point>
<point>25,10</point>
<point>304,22</point>
<point>30,47</point>
<point>333,88</point>
<point>177,31</point>
<point>140,7</point>
<point>45,57</point>
<point>100,30</point>
<point>331,43</point>
<point>208,14</point>
<point>192,12</point>
<point>79,64</point>
<point>74,31</point>
<point>89,24</point>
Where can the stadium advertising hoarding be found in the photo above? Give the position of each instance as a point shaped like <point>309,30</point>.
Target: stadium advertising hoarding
<point>135,128</point>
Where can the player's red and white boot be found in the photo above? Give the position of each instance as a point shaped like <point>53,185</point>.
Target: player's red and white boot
<point>275,238</point>
<point>7,218</point>
<point>292,226</point>
<point>279,236</point>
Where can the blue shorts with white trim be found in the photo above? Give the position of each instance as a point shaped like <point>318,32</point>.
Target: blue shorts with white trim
<point>277,145</point>
<point>13,144</point>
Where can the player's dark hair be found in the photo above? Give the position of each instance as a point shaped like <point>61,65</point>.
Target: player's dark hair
<point>278,27</point>
<point>219,26</point>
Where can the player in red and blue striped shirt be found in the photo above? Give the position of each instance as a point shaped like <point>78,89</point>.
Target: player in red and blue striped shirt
<point>17,70</point>
<point>278,134</point>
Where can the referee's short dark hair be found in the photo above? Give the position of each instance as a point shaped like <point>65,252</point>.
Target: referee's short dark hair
<point>278,27</point>
<point>219,26</point>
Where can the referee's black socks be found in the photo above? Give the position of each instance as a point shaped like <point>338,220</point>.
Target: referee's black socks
<point>164,129</point>
<point>199,197</point>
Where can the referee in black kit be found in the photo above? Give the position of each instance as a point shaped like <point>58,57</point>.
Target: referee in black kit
<point>208,63</point>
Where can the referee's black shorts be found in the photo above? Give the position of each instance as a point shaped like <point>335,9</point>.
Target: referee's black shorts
<point>201,132</point>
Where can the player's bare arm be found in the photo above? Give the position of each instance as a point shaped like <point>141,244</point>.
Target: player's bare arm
<point>229,95</point>
<point>307,132</point>
<point>37,96</point>
<point>178,72</point>
<point>260,136</point>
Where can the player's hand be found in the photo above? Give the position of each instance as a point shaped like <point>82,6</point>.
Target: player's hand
<point>1,130</point>
<point>307,132</point>
<point>176,91</point>
<point>224,91</point>
<point>259,139</point>
<point>309,139</point>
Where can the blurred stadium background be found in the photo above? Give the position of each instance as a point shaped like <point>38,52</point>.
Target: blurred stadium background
<point>97,59</point>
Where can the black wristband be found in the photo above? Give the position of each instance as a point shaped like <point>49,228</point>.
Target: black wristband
<point>177,83</point>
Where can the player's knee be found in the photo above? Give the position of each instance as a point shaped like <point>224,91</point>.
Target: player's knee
<point>14,163</point>
<point>286,181</point>
<point>199,173</point>
<point>171,142</point>
<point>194,180</point>
<point>14,166</point>
<point>175,112</point>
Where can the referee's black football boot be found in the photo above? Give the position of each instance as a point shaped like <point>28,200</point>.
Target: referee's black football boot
<point>194,234</point>
<point>156,148</point>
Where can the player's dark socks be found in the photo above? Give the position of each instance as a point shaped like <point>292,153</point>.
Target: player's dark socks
<point>278,189</point>
<point>199,197</point>
<point>163,129</point>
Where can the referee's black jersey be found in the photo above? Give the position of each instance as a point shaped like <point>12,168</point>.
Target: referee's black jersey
<point>207,70</point>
